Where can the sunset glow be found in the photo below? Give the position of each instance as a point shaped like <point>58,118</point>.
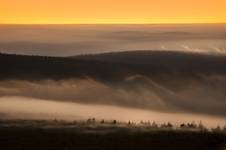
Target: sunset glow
<point>111,11</point>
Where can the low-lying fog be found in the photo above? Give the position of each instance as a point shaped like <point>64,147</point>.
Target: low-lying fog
<point>68,40</point>
<point>83,98</point>
<point>30,108</point>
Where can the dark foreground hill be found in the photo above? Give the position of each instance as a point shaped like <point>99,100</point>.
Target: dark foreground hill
<point>35,138</point>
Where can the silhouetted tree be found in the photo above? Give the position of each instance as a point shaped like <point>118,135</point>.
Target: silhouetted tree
<point>114,122</point>
<point>169,125</point>
<point>154,125</point>
<point>183,125</point>
<point>129,123</point>
<point>102,121</point>
<point>201,126</point>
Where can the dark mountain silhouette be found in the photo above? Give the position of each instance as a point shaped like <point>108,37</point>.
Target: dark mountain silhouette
<point>111,66</point>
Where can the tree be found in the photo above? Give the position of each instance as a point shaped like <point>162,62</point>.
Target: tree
<point>114,121</point>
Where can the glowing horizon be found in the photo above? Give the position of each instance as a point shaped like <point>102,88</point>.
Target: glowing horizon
<point>112,12</point>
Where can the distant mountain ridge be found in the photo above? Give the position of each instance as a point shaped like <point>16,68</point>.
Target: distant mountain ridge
<point>149,57</point>
<point>110,65</point>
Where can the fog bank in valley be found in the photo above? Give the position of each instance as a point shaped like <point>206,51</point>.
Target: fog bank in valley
<point>30,108</point>
<point>136,98</point>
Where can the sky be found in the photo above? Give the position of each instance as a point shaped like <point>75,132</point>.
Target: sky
<point>111,11</point>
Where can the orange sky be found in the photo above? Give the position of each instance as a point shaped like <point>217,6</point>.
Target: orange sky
<point>111,11</point>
